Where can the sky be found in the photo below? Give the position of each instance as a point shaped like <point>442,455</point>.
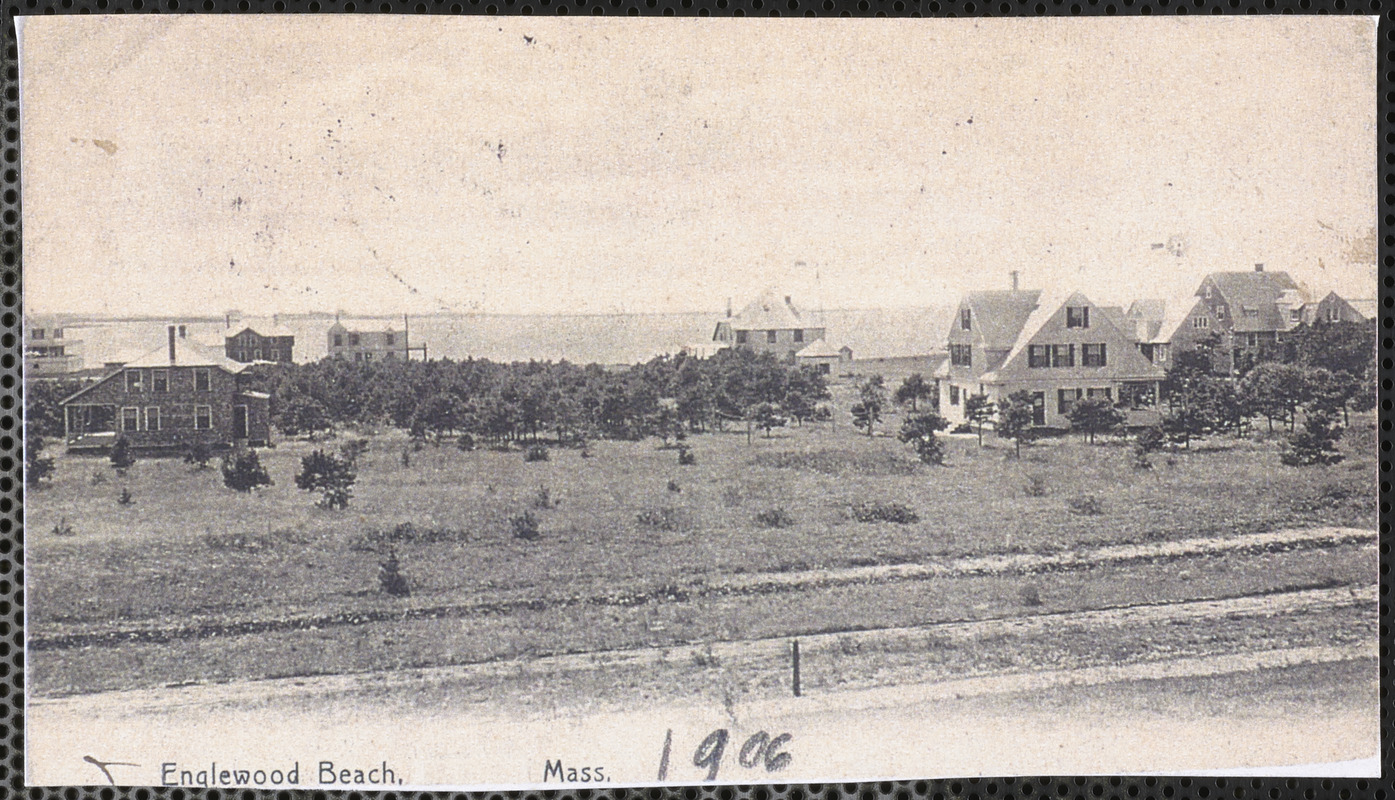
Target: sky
<point>371,164</point>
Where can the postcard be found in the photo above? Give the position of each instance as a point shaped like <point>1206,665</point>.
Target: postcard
<point>518,402</point>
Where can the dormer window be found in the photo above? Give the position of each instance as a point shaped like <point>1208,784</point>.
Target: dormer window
<point>1250,312</point>
<point>1077,316</point>
<point>966,319</point>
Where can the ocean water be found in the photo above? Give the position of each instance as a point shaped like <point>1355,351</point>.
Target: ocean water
<point>603,339</point>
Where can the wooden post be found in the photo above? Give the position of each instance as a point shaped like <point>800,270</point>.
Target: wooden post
<point>794,665</point>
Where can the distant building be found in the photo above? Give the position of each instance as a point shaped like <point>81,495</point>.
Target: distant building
<point>1335,308</point>
<point>249,345</point>
<point>48,350</point>
<point>367,345</point>
<point>1059,349</point>
<point>824,357</point>
<point>769,324</point>
<point>169,398</point>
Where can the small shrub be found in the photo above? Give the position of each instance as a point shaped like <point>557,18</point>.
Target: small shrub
<point>686,458</point>
<point>331,476</point>
<point>465,443</point>
<point>198,454</point>
<point>663,518</point>
<point>525,526</point>
<point>543,499</point>
<point>1315,444</point>
<point>884,512</point>
<point>243,472</point>
<point>1029,595</point>
<point>352,449</point>
<point>122,457</point>
<point>1036,486</point>
<point>703,660</point>
<point>98,477</point>
<point>774,518</point>
<point>406,457</point>
<point>849,646</point>
<point>536,452</point>
<point>1086,505</point>
<point>962,427</point>
<point>63,528</point>
<point>125,497</point>
<point>674,487</point>
<point>36,467</point>
<point>390,577</point>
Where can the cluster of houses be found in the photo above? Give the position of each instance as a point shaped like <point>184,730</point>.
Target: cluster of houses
<point>1058,346</point>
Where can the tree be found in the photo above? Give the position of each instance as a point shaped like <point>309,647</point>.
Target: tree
<point>1092,415</point>
<point>766,416</point>
<point>1276,391</point>
<point>919,432</point>
<point>1015,419</point>
<point>36,467</point>
<point>1331,392</point>
<point>303,415</point>
<point>243,471</point>
<point>441,413</point>
<point>1183,423</point>
<point>913,389</point>
<point>978,410</point>
<point>1316,443</point>
<point>42,413</point>
<point>867,412</point>
<point>122,457</point>
<point>331,476</point>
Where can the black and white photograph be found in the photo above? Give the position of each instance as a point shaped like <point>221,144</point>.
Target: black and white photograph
<point>513,402</point>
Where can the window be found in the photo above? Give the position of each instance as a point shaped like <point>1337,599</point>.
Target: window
<point>1062,355</point>
<point>338,340</point>
<point>1252,340</point>
<point>1334,314</point>
<point>1106,393</point>
<point>391,338</point>
<point>1159,353</point>
<point>953,395</point>
<point>1092,355</point>
<point>130,419</point>
<point>133,381</point>
<point>966,319</point>
<point>1037,356</point>
<point>1077,316</point>
<point>257,355</point>
<point>203,382</point>
<point>37,333</point>
<point>1295,314</point>
<point>152,418</point>
<point>1201,323</point>
<point>1137,395</point>
<point>1250,312</point>
<point>353,340</point>
<point>203,418</point>
<point>58,333</point>
<point>1065,400</point>
<point>961,355</point>
<point>159,380</point>
<point>770,337</point>
<point>741,337</point>
<point>799,335</point>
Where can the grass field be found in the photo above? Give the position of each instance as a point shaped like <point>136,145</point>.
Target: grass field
<point>627,519</point>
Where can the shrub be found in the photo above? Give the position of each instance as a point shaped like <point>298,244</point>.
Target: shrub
<point>406,532</point>
<point>198,453</point>
<point>685,456</point>
<point>36,467</point>
<point>674,487</point>
<point>1086,505</point>
<point>1315,444</point>
<point>406,457</point>
<point>122,458</point>
<point>352,449</point>
<point>774,518</point>
<point>962,427</point>
<point>390,577</point>
<point>63,528</point>
<point>1036,486</point>
<point>536,452</point>
<point>543,499</point>
<point>1029,595</point>
<point>1150,440</point>
<point>870,511</point>
<point>465,443</point>
<point>525,526</point>
<point>125,497</point>
<point>919,432</point>
<point>1325,498</point>
<point>663,518</point>
<point>331,476</point>
<point>243,471</point>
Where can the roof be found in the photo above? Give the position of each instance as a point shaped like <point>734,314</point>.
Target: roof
<point>769,311</point>
<point>1151,309</point>
<point>999,316</point>
<point>1176,313</point>
<point>822,348</point>
<point>186,354</point>
<point>1260,291</point>
<point>265,331</point>
<point>1048,303</point>
<point>1365,306</point>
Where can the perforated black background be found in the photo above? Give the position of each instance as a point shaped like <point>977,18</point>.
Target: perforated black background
<point>1045,788</point>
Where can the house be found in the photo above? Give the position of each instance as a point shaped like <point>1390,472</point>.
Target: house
<point>769,324</point>
<point>48,351</point>
<point>823,356</point>
<point>1249,313</point>
<point>1059,348</point>
<point>247,345</point>
<point>1335,308</point>
<point>383,344</point>
<point>169,398</point>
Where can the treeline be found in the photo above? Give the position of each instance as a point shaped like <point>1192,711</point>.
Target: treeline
<point>569,403</point>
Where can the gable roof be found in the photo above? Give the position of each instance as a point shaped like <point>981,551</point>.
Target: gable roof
<point>1257,291</point>
<point>1365,306</point>
<point>1047,307</point>
<point>186,354</point>
<point>769,311</point>
<point>821,348</point>
<point>1177,312</point>
<point>264,331</point>
<point>998,316</point>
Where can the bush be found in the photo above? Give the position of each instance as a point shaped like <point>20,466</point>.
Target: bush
<point>536,452</point>
<point>465,443</point>
<point>674,487</point>
<point>1315,444</point>
<point>63,528</point>
<point>122,456</point>
<point>962,427</point>
<point>525,526</point>
<point>198,453</point>
<point>243,471</point>
<point>1029,595</point>
<point>1086,505</point>
<point>98,477</point>
<point>1036,486</point>
<point>543,499</point>
<point>663,518</point>
<point>125,498</point>
<point>390,577</point>
<point>774,518</point>
<point>36,467</point>
<point>884,512</point>
<point>352,449</point>
<point>685,456</point>
<point>331,476</point>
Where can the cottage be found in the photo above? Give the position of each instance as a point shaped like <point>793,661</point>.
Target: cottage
<point>48,350</point>
<point>371,345</point>
<point>823,356</point>
<point>1335,308</point>
<point>1058,348</point>
<point>168,399</point>
<point>275,344</point>
<point>768,324</point>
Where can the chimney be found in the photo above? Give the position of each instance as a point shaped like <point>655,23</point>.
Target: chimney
<point>1259,267</point>
<point>171,332</point>
<point>787,300</point>
<point>728,308</point>
<point>183,332</point>
<point>1014,279</point>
